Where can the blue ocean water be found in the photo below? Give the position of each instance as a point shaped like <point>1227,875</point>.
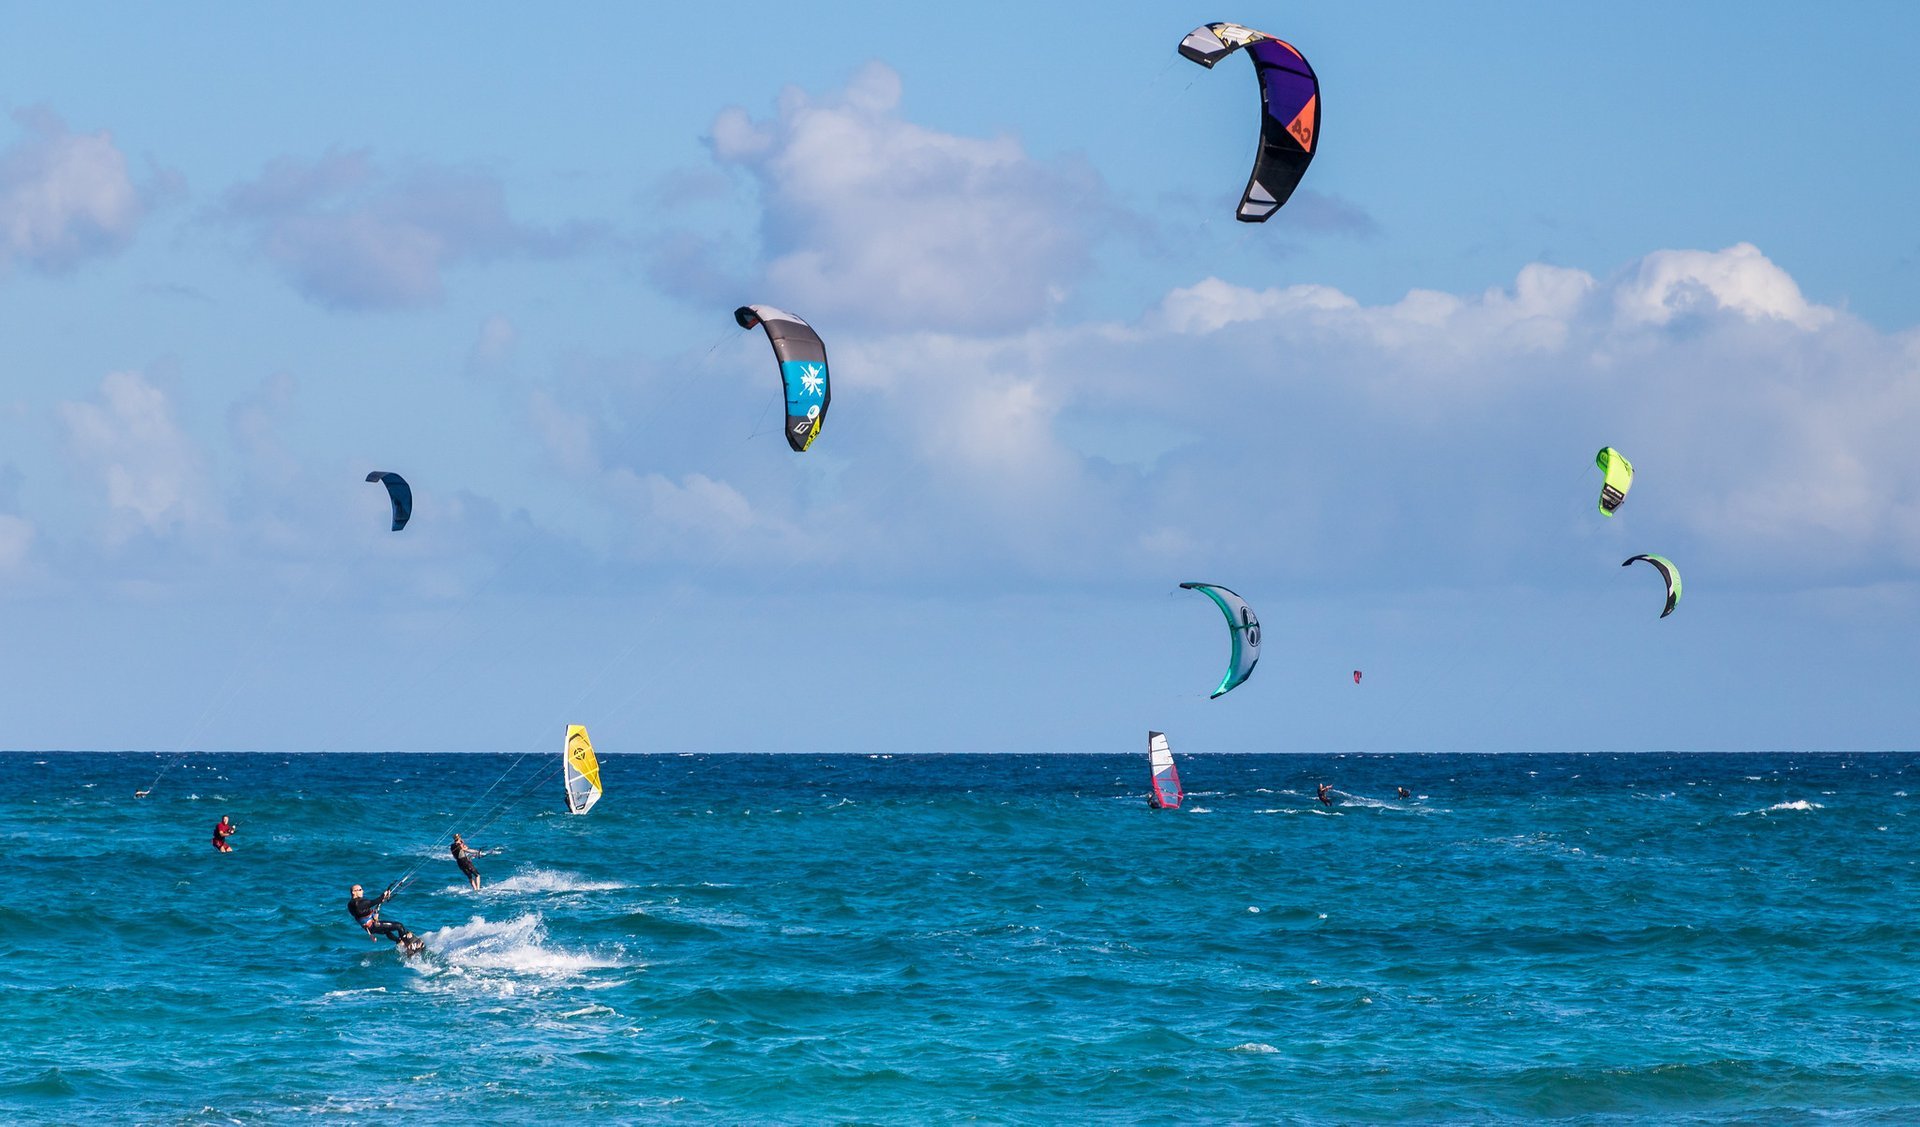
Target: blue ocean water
<point>1587,938</point>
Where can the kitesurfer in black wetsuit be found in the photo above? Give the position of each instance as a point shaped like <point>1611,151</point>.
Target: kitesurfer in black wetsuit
<point>1326,794</point>
<point>464,856</point>
<point>1405,793</point>
<point>366,912</point>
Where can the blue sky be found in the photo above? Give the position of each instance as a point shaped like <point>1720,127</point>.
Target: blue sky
<point>245,261</point>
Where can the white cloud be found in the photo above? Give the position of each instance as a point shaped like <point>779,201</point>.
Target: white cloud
<point>695,503</point>
<point>64,196</point>
<point>1535,314</point>
<point>1739,279</point>
<point>350,235</point>
<point>870,218</point>
<point>152,472</point>
<point>1436,436</point>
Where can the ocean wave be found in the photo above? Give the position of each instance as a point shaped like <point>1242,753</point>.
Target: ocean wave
<point>354,993</point>
<point>515,949</point>
<point>1253,1047</point>
<point>545,880</point>
<point>1797,804</point>
<point>51,1082</point>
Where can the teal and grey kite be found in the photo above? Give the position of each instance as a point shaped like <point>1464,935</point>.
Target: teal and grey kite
<point>1668,572</point>
<point>803,369</point>
<point>1242,625</point>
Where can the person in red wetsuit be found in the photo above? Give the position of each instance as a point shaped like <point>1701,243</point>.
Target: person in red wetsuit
<point>221,833</point>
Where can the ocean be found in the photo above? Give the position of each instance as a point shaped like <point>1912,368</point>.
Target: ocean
<point>995,938</point>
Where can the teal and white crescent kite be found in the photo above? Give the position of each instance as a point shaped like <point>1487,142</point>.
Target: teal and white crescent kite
<point>1244,627</point>
<point>1668,572</point>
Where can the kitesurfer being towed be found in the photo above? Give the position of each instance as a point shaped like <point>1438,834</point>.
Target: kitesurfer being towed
<point>366,912</point>
<point>464,854</point>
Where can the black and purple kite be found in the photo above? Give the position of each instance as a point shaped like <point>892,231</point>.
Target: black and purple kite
<point>1290,105</point>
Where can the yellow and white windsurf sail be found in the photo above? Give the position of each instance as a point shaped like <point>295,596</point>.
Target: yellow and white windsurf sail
<point>583,771</point>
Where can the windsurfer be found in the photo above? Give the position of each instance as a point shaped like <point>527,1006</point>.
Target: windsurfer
<point>366,912</point>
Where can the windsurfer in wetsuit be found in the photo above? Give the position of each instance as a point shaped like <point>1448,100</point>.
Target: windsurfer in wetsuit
<point>465,856</point>
<point>221,833</point>
<point>1326,794</point>
<point>366,912</point>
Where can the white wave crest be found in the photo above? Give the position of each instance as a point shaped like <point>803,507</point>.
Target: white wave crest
<point>1801,804</point>
<point>1254,1047</point>
<point>548,880</point>
<point>518,947</point>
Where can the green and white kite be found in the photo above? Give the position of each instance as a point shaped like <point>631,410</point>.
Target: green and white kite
<point>1667,571</point>
<point>1616,478</point>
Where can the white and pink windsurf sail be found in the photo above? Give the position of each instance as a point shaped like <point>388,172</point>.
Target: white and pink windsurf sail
<point>1166,781</point>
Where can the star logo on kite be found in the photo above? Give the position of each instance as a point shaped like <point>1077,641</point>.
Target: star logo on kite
<point>811,379</point>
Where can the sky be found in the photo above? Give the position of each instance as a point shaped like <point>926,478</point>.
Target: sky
<point>246,258</point>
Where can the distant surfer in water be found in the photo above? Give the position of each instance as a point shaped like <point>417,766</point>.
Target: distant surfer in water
<point>1404,792</point>
<point>1326,794</point>
<point>366,912</point>
<point>465,856</point>
<point>221,833</point>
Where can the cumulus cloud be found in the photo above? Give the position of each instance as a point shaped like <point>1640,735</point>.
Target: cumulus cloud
<point>64,197</point>
<point>869,217</point>
<point>1439,437</point>
<point>1768,429</point>
<point>695,503</point>
<point>128,438</point>
<point>1298,435</point>
<point>1672,283</point>
<point>349,234</point>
